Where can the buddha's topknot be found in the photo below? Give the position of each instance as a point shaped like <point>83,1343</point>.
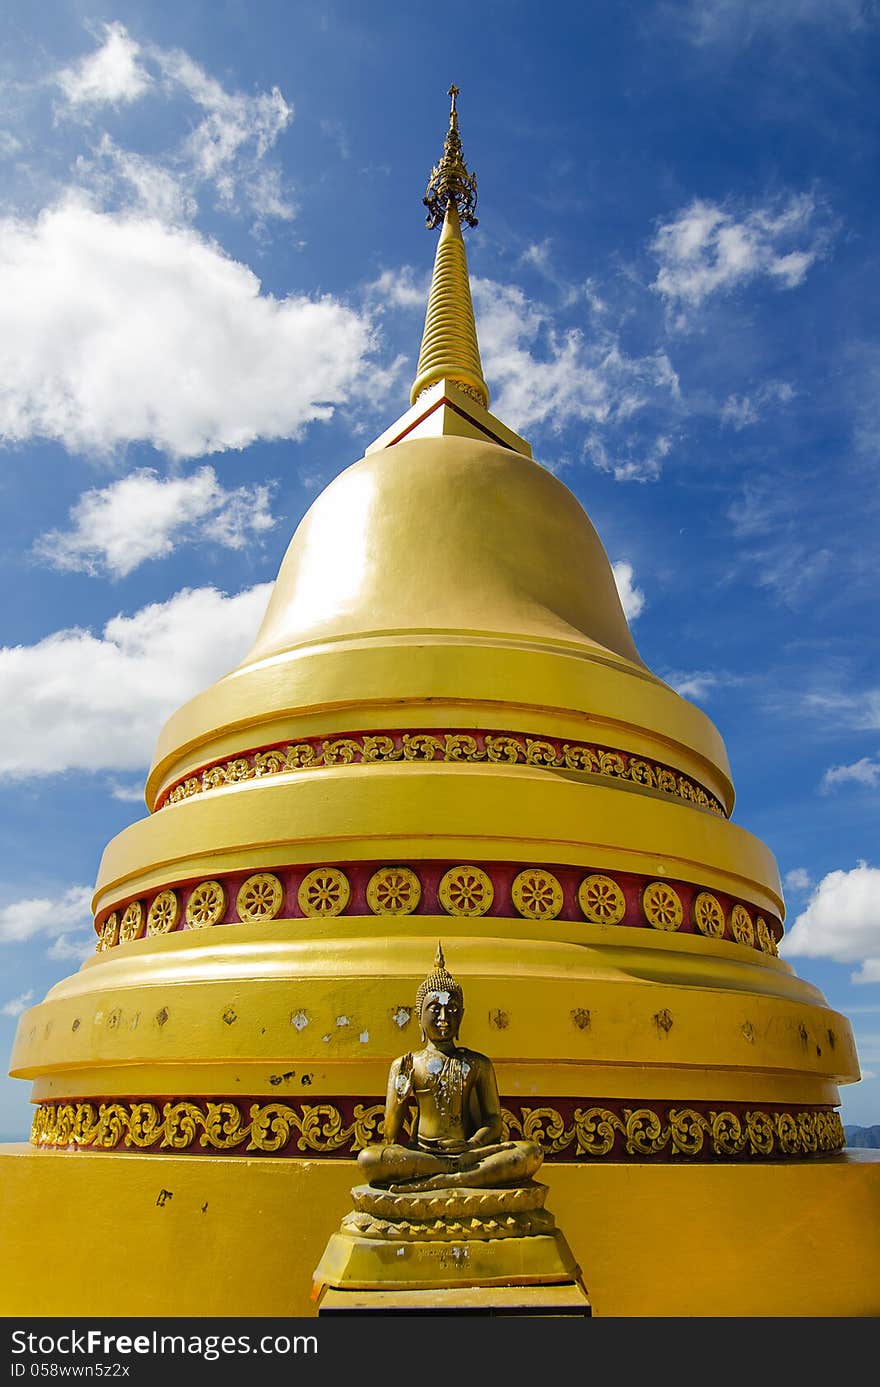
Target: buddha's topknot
<point>439,980</point>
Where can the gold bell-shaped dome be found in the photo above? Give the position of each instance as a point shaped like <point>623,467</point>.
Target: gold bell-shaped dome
<point>444,729</point>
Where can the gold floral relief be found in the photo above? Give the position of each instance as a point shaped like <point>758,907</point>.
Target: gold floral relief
<point>508,748</point>
<point>322,1128</point>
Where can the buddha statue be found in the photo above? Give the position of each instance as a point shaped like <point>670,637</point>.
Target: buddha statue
<point>456,1139</point>
<point>456,1209</point>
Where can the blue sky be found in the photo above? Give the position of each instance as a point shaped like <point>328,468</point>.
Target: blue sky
<point>213,268</point>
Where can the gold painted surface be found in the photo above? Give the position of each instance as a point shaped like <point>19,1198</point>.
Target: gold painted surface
<point>458,812</point>
<point>522,1080</point>
<point>349,572</point>
<point>449,339</point>
<point>447,410</point>
<point>620,1221</point>
<point>435,679</point>
<point>688,1006</point>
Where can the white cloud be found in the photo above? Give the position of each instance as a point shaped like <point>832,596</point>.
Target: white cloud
<point>130,793</point>
<point>735,22</point>
<point>143,516</point>
<point>116,328</point>
<point>16,1005</point>
<point>401,288</point>
<point>629,459</point>
<point>860,710</point>
<point>798,879</point>
<point>79,701</point>
<point>697,684</point>
<point>740,411</point>
<point>36,915</point>
<point>841,922</point>
<point>631,597</point>
<point>545,374</point>
<point>864,772</point>
<point>790,570</point>
<point>756,512</point>
<point>231,122</point>
<point>76,947</point>
<point>156,191</point>
<point>112,74</point>
<point>707,250</point>
<point>225,148</point>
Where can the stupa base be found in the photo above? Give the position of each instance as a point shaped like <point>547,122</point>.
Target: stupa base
<point>213,1235</point>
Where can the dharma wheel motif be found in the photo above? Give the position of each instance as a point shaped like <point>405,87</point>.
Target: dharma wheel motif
<point>132,923</point>
<point>708,914</point>
<point>601,900</point>
<point>164,913</point>
<point>537,894</point>
<point>465,891</point>
<point>259,897</point>
<point>393,891</point>
<point>325,891</point>
<point>109,932</point>
<point>765,938</point>
<point>206,905</point>
<point>741,924</point>
<point>662,906</point>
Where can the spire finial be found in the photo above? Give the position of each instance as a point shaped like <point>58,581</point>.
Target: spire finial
<point>449,341</point>
<point>450,182</point>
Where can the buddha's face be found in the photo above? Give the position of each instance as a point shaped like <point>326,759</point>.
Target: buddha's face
<point>440,1016</point>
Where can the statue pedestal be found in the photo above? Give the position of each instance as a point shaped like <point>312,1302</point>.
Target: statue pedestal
<point>477,1250</point>
<point>567,1299</point>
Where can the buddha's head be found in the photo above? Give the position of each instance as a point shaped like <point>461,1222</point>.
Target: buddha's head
<point>439,1003</point>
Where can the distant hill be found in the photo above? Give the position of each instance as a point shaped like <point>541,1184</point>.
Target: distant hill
<point>862,1136</point>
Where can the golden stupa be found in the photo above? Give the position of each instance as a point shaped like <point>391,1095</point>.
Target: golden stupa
<point>443,730</point>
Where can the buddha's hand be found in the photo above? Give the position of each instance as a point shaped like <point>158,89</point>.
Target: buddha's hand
<point>403,1082</point>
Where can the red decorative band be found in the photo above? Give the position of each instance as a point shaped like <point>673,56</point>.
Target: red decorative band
<point>501,890</point>
<point>426,744</point>
<point>568,1129</point>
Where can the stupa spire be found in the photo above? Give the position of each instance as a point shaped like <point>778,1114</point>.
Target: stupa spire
<point>449,340</point>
